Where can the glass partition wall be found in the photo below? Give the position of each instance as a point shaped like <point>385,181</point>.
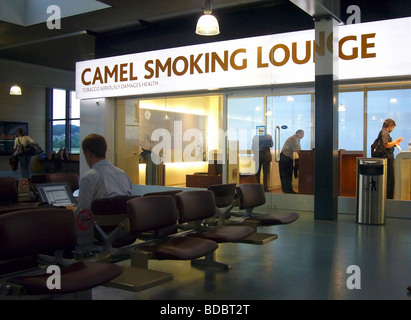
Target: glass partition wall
<point>281,115</point>
<point>162,140</point>
<point>361,113</point>
<point>188,133</point>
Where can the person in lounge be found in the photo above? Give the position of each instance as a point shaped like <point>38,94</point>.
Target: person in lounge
<point>261,146</point>
<point>23,140</point>
<point>289,155</point>
<point>389,145</point>
<point>103,180</point>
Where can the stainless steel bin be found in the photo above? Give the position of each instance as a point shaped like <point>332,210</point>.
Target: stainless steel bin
<point>371,190</point>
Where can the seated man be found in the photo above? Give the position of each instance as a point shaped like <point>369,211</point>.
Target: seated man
<point>103,180</point>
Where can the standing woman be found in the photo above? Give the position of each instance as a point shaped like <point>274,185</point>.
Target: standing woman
<point>24,158</point>
<point>387,127</point>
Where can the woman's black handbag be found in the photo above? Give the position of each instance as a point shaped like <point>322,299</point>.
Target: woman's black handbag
<point>33,149</point>
<point>377,149</point>
<point>30,149</point>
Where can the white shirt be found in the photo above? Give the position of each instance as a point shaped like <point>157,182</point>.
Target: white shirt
<point>291,145</point>
<point>103,180</point>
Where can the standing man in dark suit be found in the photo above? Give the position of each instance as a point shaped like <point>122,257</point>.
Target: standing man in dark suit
<point>261,146</point>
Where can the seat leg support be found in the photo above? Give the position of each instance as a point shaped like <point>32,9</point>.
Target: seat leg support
<point>209,261</point>
<point>138,276</point>
<point>260,238</point>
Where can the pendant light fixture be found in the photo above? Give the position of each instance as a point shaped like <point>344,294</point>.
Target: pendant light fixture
<point>207,25</point>
<point>15,90</point>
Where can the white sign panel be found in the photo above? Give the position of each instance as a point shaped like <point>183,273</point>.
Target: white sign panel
<point>366,50</point>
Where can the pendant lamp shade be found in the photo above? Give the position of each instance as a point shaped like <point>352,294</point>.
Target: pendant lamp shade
<point>15,90</point>
<point>207,25</point>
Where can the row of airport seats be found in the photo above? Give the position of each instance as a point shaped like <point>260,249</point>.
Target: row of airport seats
<point>27,235</point>
<point>159,216</point>
<point>168,225</point>
<point>34,242</point>
<point>164,223</point>
<point>247,197</point>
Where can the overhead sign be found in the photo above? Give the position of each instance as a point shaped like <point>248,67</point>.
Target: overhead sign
<point>365,50</point>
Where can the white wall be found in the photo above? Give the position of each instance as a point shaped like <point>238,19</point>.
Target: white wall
<point>97,116</point>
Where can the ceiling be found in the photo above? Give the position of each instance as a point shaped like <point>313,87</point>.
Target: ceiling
<point>34,42</point>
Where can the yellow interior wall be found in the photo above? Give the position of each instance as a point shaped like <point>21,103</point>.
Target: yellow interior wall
<point>210,106</point>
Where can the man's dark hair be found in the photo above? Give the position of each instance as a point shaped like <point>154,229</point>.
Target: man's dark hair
<point>388,123</point>
<point>96,144</point>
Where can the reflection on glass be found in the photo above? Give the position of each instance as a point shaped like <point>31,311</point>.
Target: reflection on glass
<point>291,113</point>
<point>244,115</point>
<point>351,121</point>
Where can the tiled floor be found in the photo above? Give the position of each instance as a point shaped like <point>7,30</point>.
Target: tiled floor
<point>310,260</point>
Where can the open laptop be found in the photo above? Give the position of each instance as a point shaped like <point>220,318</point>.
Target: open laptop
<point>57,194</point>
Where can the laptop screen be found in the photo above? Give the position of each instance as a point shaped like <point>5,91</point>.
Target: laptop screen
<point>56,194</point>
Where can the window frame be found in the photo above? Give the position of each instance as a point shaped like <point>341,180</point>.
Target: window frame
<point>50,120</point>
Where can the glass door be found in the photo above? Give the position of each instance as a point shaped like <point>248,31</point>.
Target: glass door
<point>244,115</point>
<point>287,114</point>
<point>278,116</point>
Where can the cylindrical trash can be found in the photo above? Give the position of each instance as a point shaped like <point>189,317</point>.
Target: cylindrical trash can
<point>371,190</point>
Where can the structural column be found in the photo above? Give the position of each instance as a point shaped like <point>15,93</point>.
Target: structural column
<point>326,119</point>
